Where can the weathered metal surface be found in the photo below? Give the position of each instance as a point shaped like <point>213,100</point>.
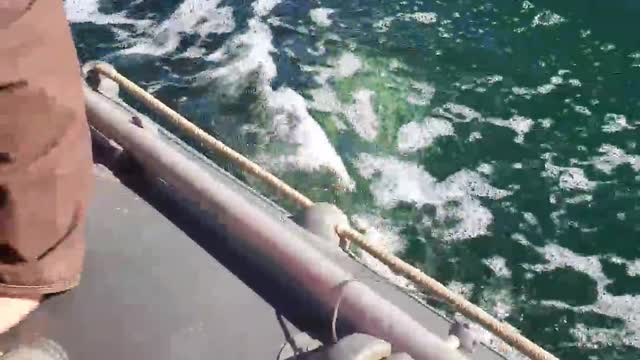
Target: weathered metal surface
<point>165,281</point>
<point>150,292</point>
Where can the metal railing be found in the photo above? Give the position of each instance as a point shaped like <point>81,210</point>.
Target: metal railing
<point>503,330</point>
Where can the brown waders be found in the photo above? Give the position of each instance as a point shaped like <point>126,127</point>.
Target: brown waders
<point>45,151</point>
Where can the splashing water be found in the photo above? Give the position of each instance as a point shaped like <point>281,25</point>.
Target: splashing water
<point>494,144</point>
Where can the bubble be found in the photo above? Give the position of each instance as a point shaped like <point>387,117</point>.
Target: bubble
<point>613,157</point>
<point>547,18</point>
<point>499,266</point>
<point>320,16</point>
<point>615,123</point>
<point>569,178</point>
<point>361,115</point>
<point>417,135</point>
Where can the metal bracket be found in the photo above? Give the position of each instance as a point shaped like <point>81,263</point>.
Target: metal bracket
<point>352,347</point>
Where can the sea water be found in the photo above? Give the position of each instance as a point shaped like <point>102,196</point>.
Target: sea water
<point>493,144</point>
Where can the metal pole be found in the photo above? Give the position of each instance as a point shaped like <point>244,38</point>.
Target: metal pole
<point>268,238</point>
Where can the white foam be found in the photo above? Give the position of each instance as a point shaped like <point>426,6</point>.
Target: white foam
<point>463,289</point>
<point>384,24</point>
<point>499,302</point>
<point>467,182</point>
<point>422,17</point>
<point>615,123</point>
<point>427,18</point>
<point>200,17</point>
<point>560,257</point>
<point>520,124</point>
<point>293,124</point>
<point>396,64</point>
<point>613,157</point>
<point>520,239</point>
<point>361,113</point>
<point>607,47</point>
<point>346,65</point>
<point>472,220</point>
<point>393,181</point>
<point>320,16</point>
<point>558,214</point>
<point>82,11</point>
<point>423,95</point>
<point>457,112</point>
<point>263,7</point>
<point>624,307</point>
<point>526,5</point>
<point>594,338</point>
<point>569,178</point>
<point>475,136</point>
<point>578,199</point>
<point>386,234</point>
<point>246,60</point>
<point>636,59</point>
<point>243,58</point>
<point>523,91</point>
<point>545,88</point>
<point>481,84</point>
<point>498,265</point>
<point>582,110</point>
<point>546,123</point>
<point>381,233</point>
<point>547,18</point>
<point>418,135</point>
<point>362,116</point>
<point>575,179</point>
<point>492,79</point>
<point>574,82</point>
<point>325,99</point>
<point>556,80</point>
<point>398,181</point>
<point>633,267</point>
<point>193,52</point>
<point>485,168</point>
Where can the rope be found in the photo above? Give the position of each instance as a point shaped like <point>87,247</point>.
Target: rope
<point>209,141</point>
<point>334,318</point>
<point>501,329</point>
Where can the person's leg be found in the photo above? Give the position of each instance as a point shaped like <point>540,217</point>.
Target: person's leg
<point>45,157</point>
<point>40,349</point>
<point>13,310</point>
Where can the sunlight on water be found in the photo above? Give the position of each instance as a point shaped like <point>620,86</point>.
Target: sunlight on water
<point>493,143</point>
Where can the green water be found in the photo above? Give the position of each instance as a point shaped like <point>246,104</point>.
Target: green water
<point>494,143</point>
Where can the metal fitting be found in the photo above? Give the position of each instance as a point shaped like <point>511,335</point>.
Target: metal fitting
<point>467,339</point>
<point>322,219</point>
<point>41,349</point>
<point>99,82</point>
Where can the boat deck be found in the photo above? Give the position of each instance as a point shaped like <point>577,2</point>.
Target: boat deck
<point>162,283</point>
<point>149,292</point>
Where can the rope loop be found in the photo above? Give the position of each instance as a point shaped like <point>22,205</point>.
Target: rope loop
<point>334,317</point>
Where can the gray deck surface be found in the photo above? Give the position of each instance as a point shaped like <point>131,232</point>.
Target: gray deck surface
<point>162,283</point>
<point>161,298</point>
